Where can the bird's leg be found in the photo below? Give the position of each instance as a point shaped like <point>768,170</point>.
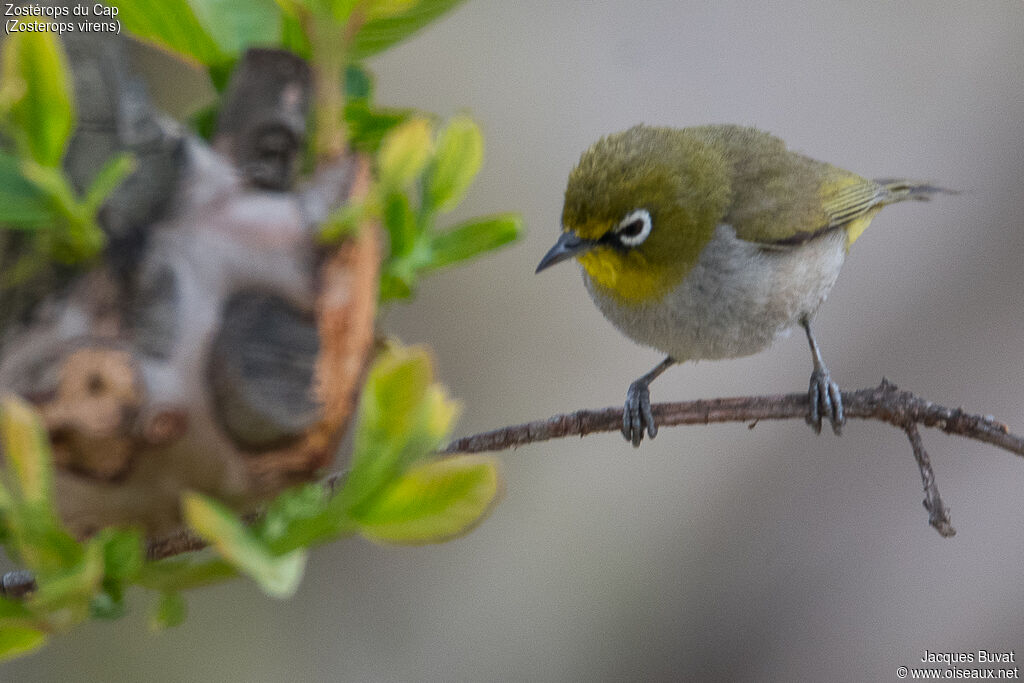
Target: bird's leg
<point>636,415</point>
<point>824,394</point>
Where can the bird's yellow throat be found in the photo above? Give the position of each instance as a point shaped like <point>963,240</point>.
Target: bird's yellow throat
<point>628,277</point>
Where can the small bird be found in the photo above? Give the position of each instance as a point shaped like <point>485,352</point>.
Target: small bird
<point>712,242</point>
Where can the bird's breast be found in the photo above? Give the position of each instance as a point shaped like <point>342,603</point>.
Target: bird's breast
<point>738,299</point>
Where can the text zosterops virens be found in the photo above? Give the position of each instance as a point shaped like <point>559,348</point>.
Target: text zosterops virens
<point>712,242</point>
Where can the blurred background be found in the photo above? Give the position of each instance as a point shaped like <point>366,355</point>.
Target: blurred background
<point>712,553</point>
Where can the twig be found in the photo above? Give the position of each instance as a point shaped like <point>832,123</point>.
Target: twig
<point>884,402</point>
<point>938,514</point>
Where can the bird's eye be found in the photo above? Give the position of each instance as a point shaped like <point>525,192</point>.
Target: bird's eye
<point>634,228</point>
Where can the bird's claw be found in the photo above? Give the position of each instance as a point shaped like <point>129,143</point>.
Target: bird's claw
<point>637,414</point>
<point>825,401</point>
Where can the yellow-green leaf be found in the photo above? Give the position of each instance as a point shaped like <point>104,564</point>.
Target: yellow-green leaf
<point>106,180</point>
<point>27,450</point>
<point>71,588</point>
<point>460,151</point>
<point>433,501</point>
<point>383,32</point>
<point>176,574</point>
<point>402,418</point>
<point>277,575</point>
<point>40,106</point>
<point>16,641</point>
<point>169,24</point>
<point>331,12</point>
<point>404,153</point>
<point>382,9</point>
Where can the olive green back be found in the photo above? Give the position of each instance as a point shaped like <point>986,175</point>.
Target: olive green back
<point>781,197</point>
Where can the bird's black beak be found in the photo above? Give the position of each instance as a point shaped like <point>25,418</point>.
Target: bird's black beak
<point>567,246</point>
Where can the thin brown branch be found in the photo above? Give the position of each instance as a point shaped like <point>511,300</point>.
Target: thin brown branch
<point>181,541</point>
<point>884,402</point>
<point>938,514</point>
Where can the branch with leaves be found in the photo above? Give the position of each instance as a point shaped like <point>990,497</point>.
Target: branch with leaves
<point>398,490</point>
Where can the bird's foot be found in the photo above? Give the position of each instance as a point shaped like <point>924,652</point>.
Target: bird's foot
<point>826,402</point>
<point>637,415</point>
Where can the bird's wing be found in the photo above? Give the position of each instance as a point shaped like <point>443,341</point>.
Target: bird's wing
<point>799,200</point>
<point>781,198</point>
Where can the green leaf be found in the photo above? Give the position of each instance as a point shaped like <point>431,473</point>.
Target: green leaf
<point>358,83</point>
<point>30,514</point>
<point>72,588</point>
<point>176,574</point>
<point>16,641</point>
<point>402,417</point>
<point>236,25</point>
<point>433,501</point>
<point>79,238</point>
<point>394,287</point>
<point>400,222</point>
<point>122,553</point>
<point>382,9</point>
<point>475,237</point>
<point>293,37</point>
<point>22,204</point>
<point>367,126</point>
<point>112,174</point>
<point>43,113</point>
<point>328,12</point>
<point>278,576</point>
<point>297,503</point>
<point>204,120</point>
<point>460,151</point>
<point>301,517</point>
<point>381,33</point>
<point>404,153</point>
<point>169,24</point>
<point>12,611</point>
<point>170,611</point>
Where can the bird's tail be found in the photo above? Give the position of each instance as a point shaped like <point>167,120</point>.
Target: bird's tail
<point>898,190</point>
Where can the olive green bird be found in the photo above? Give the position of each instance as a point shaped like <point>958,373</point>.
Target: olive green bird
<point>712,242</point>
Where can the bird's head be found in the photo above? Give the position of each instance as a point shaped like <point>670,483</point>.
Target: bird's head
<point>639,208</point>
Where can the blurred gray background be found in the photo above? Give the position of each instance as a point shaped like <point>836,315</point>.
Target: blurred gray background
<point>712,553</point>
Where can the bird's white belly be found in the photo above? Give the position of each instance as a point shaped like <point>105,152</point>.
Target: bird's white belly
<point>737,300</point>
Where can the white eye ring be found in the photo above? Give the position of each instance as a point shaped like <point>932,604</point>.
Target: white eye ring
<point>641,215</point>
